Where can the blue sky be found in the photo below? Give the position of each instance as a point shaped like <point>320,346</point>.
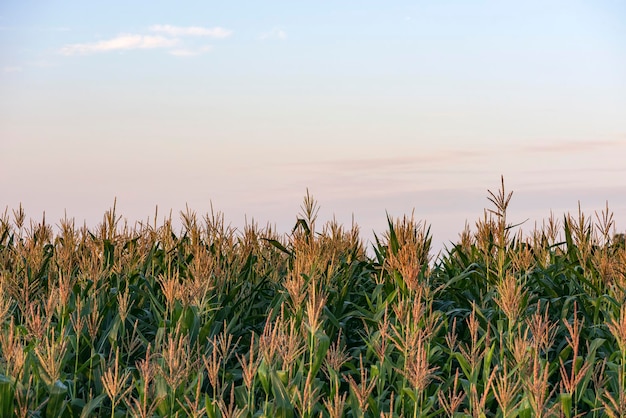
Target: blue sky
<point>372,106</point>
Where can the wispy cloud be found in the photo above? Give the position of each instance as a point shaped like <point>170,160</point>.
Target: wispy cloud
<point>275,33</point>
<point>11,69</point>
<point>216,32</point>
<point>190,52</point>
<point>43,63</point>
<point>164,36</point>
<point>569,147</point>
<point>398,163</point>
<point>120,43</point>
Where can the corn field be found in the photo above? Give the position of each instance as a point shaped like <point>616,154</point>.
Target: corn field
<point>210,321</point>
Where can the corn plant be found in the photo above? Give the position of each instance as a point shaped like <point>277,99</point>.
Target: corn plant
<point>210,321</point>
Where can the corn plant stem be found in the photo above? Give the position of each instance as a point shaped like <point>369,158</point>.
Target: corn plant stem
<point>37,391</point>
<point>76,357</point>
<point>575,392</point>
<point>510,332</point>
<point>121,334</point>
<point>309,381</point>
<point>419,395</point>
<point>403,387</point>
<point>63,320</point>
<point>251,399</point>
<point>311,362</point>
<point>361,414</point>
<point>90,378</point>
<point>623,376</point>
<point>381,379</point>
<point>172,401</point>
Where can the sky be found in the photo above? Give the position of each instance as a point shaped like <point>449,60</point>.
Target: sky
<point>375,107</point>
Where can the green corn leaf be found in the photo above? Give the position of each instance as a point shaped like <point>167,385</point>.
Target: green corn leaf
<point>566,404</point>
<point>323,343</point>
<point>7,396</point>
<point>92,405</point>
<point>57,399</point>
<point>284,408</point>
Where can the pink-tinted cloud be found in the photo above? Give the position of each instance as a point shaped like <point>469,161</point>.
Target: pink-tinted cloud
<point>11,69</point>
<point>428,159</point>
<point>119,43</point>
<point>569,147</point>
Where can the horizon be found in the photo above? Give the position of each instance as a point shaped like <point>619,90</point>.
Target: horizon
<point>284,229</point>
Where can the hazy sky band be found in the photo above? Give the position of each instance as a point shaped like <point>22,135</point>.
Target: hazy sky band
<point>372,107</point>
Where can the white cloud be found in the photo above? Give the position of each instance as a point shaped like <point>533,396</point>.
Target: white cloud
<point>166,36</point>
<point>187,52</point>
<point>121,42</point>
<point>216,32</point>
<point>275,33</point>
<point>11,69</point>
